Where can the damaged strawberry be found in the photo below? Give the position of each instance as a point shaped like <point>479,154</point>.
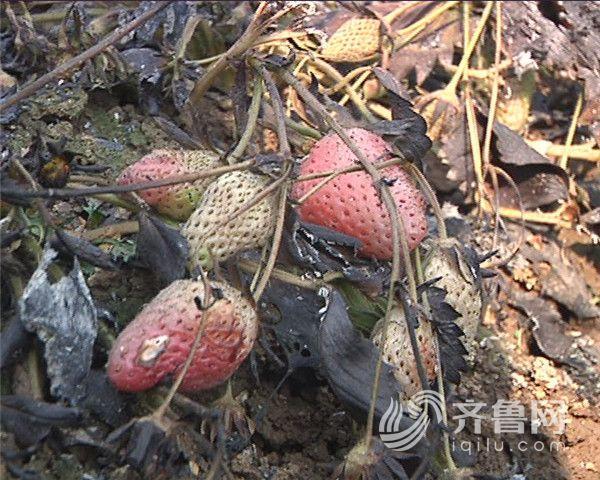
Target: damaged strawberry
<point>156,344</point>
<point>350,203</point>
<point>175,201</point>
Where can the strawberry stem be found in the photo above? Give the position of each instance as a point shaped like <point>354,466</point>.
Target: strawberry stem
<point>286,153</point>
<point>399,237</point>
<point>430,194</point>
<point>132,187</point>
<point>440,373</point>
<point>160,411</point>
<point>253,112</point>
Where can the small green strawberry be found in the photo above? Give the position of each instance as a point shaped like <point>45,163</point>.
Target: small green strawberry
<point>211,237</point>
<point>175,201</point>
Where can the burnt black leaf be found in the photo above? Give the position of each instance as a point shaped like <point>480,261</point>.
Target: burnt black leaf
<point>161,248</point>
<point>549,329</point>
<point>452,350</point>
<point>348,361</point>
<point>292,313</point>
<point>323,250</point>
<point>592,217</point>
<point>147,63</point>
<point>13,341</point>
<point>407,130</point>
<point>166,26</point>
<point>452,165</point>
<point>82,249</point>
<point>391,83</point>
<point>64,317</point>
<point>268,163</point>
<point>31,420</point>
<point>11,236</point>
<point>103,400</point>
<point>330,236</point>
<point>144,442</point>
<point>343,115</point>
<point>143,437</point>
<point>592,188</point>
<point>151,447</point>
<point>10,190</point>
<point>278,61</point>
<point>539,181</point>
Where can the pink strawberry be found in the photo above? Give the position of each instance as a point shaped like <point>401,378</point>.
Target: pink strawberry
<point>350,203</point>
<point>156,344</point>
<point>176,201</point>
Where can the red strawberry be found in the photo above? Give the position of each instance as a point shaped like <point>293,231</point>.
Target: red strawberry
<point>176,201</point>
<point>156,343</point>
<point>350,203</point>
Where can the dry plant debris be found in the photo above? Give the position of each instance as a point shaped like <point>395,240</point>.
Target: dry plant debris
<point>242,199</point>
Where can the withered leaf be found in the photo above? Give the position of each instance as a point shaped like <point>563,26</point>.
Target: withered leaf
<point>548,327</point>
<point>560,280</point>
<point>64,317</point>
<point>161,248</point>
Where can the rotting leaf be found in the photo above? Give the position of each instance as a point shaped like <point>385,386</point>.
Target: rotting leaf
<point>161,248</point>
<point>31,420</point>
<point>349,360</point>
<point>64,317</point>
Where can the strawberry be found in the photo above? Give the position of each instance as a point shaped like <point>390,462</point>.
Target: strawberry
<point>350,203</point>
<point>176,201</point>
<point>156,344</point>
<point>458,268</point>
<point>356,40</point>
<point>211,237</point>
<point>398,351</point>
